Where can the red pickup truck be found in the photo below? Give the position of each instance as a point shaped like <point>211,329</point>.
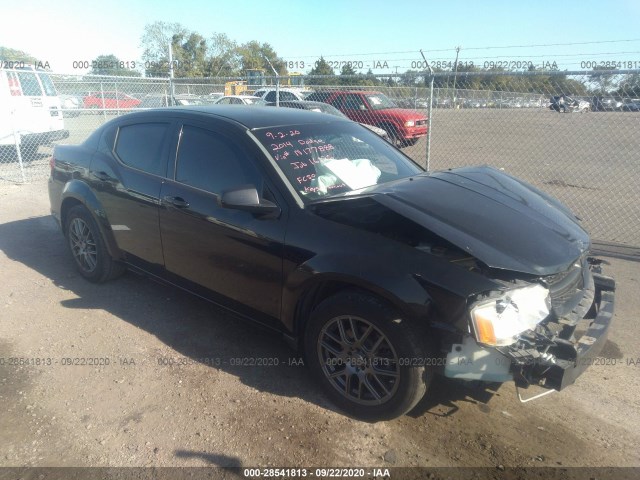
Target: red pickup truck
<point>405,127</point>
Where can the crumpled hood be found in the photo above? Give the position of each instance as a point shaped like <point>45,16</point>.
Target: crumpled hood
<point>502,221</point>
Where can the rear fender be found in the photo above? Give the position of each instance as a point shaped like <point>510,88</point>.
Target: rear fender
<point>76,191</point>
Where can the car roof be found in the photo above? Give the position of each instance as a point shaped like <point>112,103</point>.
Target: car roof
<point>249,116</point>
<point>349,91</point>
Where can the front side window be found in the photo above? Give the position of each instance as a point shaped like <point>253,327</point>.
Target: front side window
<point>354,102</point>
<point>320,160</point>
<point>212,162</point>
<point>140,146</point>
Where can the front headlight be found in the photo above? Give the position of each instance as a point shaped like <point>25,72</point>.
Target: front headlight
<point>499,321</point>
<point>409,123</point>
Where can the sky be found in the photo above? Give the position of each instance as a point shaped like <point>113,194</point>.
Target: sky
<point>382,35</point>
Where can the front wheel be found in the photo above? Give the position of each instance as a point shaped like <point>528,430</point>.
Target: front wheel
<point>87,247</point>
<point>369,360</point>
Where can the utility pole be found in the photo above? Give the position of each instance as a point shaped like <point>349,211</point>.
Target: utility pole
<point>455,74</point>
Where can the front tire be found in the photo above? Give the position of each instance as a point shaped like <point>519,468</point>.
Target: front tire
<point>369,360</point>
<point>87,247</point>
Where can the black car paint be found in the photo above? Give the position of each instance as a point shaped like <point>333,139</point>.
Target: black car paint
<point>275,269</point>
<point>496,218</point>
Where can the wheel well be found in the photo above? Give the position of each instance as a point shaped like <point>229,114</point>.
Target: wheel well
<point>391,128</point>
<point>67,205</point>
<point>317,294</point>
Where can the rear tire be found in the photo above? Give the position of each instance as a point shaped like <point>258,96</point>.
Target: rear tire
<point>87,247</point>
<point>369,360</point>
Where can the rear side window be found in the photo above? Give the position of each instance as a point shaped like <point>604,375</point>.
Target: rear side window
<point>47,84</point>
<point>29,83</point>
<point>140,146</point>
<point>211,162</point>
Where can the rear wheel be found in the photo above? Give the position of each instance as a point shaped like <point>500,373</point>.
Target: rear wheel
<point>367,357</point>
<point>87,247</point>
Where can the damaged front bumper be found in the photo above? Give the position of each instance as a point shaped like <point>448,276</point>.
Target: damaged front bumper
<point>556,362</point>
<point>551,356</point>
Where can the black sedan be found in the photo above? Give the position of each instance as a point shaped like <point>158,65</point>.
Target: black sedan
<point>380,273</point>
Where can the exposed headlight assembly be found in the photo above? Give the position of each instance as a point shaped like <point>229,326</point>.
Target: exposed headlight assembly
<point>498,321</point>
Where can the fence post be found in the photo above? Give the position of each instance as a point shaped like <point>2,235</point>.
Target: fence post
<point>115,83</point>
<point>429,123</point>
<point>104,105</point>
<point>16,140</point>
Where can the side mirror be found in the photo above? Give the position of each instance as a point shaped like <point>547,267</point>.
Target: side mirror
<point>245,197</point>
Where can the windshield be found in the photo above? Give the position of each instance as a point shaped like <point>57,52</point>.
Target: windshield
<point>379,101</point>
<point>321,160</point>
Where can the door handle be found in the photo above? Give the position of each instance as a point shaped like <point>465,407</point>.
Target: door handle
<point>177,202</point>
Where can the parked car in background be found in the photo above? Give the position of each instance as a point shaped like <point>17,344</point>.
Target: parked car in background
<point>404,126</point>
<point>163,100</point>
<point>326,108</point>
<point>567,104</point>
<point>31,110</point>
<point>606,104</point>
<point>71,105</point>
<point>381,274</point>
<point>110,100</point>
<point>631,105</point>
<point>284,94</point>
<point>240,100</point>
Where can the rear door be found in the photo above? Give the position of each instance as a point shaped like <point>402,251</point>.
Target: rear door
<point>127,173</point>
<point>228,255</point>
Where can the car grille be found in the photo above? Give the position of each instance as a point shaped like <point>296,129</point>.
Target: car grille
<point>420,123</point>
<point>566,289</point>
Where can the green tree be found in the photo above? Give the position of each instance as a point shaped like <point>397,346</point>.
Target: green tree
<point>111,65</point>
<point>322,68</point>
<point>254,55</point>
<point>224,59</point>
<point>189,55</point>
<point>604,83</point>
<point>629,86</point>
<point>11,55</point>
<point>155,40</point>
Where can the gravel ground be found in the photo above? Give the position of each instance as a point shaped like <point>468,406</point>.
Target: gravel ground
<point>148,394</point>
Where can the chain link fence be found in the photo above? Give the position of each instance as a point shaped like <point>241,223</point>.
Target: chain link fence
<point>569,133</point>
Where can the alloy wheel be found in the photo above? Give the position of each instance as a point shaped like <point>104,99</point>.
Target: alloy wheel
<point>358,360</point>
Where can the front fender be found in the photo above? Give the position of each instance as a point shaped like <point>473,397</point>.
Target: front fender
<point>421,287</point>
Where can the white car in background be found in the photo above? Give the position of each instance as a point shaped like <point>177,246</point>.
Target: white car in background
<point>30,108</point>
<point>240,100</point>
<point>285,94</point>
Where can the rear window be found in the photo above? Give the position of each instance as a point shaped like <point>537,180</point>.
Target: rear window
<point>29,83</point>
<point>140,146</point>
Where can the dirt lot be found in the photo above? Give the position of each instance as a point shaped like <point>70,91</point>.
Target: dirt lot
<point>138,410</point>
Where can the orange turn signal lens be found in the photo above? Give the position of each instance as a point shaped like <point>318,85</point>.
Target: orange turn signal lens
<point>484,331</point>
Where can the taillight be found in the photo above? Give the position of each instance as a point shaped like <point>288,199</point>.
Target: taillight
<point>52,163</point>
<point>14,85</point>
